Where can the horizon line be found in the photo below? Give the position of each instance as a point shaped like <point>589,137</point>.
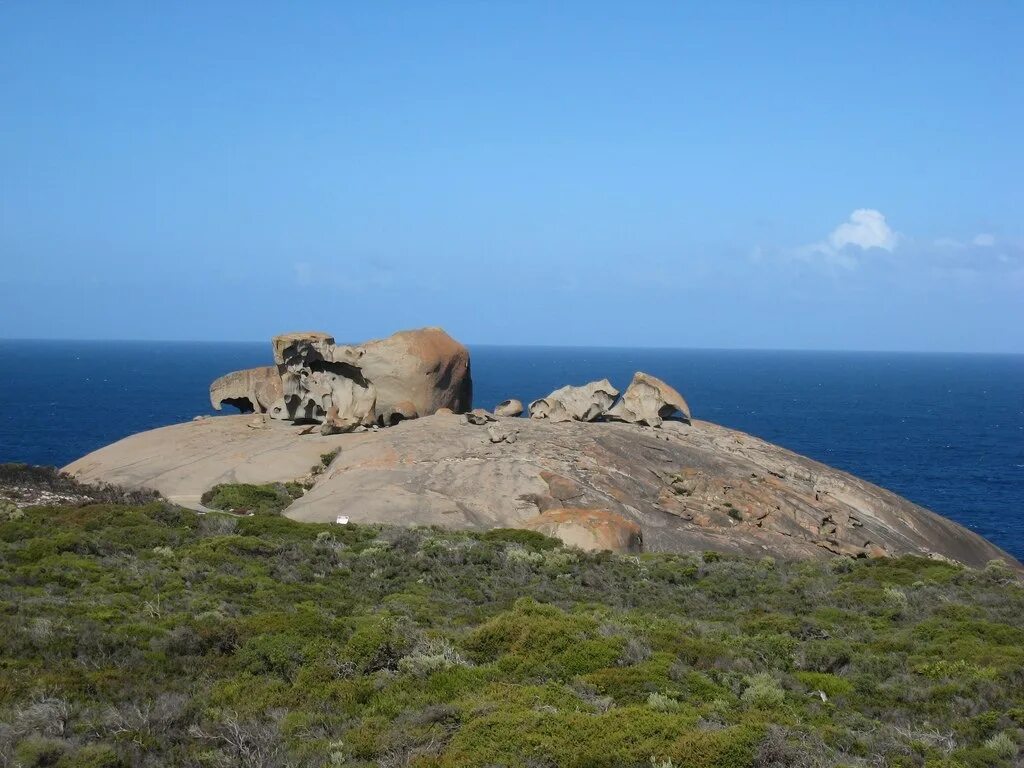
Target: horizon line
<point>554,346</point>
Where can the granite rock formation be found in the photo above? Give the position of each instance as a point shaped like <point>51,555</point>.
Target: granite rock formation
<point>640,479</point>
<point>648,400</point>
<point>408,374</point>
<point>688,487</point>
<point>586,403</point>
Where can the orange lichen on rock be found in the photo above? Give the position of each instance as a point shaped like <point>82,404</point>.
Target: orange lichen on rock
<point>590,529</point>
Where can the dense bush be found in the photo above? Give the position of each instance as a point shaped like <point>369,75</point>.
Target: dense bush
<point>153,636</point>
<point>243,498</point>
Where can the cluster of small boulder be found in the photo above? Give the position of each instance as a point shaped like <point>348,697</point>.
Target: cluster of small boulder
<point>648,400</point>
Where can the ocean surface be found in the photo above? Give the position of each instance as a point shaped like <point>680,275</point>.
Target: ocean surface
<point>946,431</point>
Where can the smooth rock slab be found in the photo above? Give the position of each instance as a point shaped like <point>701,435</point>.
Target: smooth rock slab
<point>184,460</point>
<point>688,487</point>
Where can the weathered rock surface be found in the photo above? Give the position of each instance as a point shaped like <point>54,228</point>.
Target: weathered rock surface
<point>408,374</point>
<point>509,408</point>
<point>251,390</point>
<point>688,487</point>
<point>593,530</point>
<point>184,460</point>
<point>649,400</point>
<point>426,367</point>
<point>499,433</point>
<point>585,403</point>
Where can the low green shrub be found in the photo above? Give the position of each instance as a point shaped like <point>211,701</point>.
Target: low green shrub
<point>241,498</point>
<point>528,539</point>
<point>149,635</point>
<point>763,692</point>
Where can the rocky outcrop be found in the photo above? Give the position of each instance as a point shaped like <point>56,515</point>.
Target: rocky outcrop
<point>509,408</point>
<point>251,390</point>
<point>688,487</point>
<point>586,403</point>
<point>344,387</point>
<point>649,400</point>
<point>592,530</point>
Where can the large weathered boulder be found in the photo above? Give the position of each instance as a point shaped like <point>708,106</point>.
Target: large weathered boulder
<point>649,400</point>
<point>408,374</point>
<point>426,367</point>
<point>585,403</point>
<point>251,390</point>
<point>590,529</point>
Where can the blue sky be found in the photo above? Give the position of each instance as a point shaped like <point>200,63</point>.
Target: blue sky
<point>789,175</point>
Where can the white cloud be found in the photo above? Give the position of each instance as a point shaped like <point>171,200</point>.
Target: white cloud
<point>984,240</point>
<point>865,229</point>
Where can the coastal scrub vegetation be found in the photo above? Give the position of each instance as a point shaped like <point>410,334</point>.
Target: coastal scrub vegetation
<point>149,635</point>
<point>245,498</point>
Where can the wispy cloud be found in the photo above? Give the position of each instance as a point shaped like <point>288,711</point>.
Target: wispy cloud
<point>866,231</point>
<point>982,253</point>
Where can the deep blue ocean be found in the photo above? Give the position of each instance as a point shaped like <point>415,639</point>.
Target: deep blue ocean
<point>946,431</point>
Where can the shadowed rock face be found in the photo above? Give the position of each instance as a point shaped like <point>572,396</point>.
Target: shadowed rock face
<point>687,487</point>
<point>321,381</point>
